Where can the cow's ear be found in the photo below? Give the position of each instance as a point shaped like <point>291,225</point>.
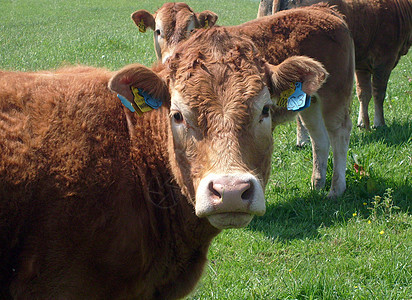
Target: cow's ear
<point>143,19</point>
<point>138,78</point>
<point>308,71</point>
<point>207,18</point>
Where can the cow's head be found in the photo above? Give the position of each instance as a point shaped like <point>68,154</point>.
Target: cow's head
<point>220,140</point>
<point>172,23</point>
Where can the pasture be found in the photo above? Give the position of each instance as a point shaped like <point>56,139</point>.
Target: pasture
<point>306,246</point>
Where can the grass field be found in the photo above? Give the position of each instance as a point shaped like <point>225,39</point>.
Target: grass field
<point>358,246</point>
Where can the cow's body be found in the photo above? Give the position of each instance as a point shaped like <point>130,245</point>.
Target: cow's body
<point>382,33</point>
<point>97,202</point>
<point>70,172</point>
<point>321,33</point>
<point>329,42</point>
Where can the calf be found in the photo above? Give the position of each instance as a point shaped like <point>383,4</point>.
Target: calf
<point>300,32</point>
<point>98,202</point>
<point>382,33</point>
<point>172,23</point>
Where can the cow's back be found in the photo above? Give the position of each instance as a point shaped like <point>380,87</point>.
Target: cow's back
<point>62,138</point>
<point>88,205</point>
<point>382,30</point>
<point>57,125</point>
<point>318,32</point>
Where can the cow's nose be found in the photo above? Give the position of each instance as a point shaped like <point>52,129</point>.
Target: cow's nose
<point>229,200</point>
<point>230,190</point>
<point>229,193</point>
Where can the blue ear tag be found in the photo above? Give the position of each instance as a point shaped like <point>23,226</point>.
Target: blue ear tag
<point>152,102</point>
<point>143,102</point>
<point>126,103</point>
<point>299,100</point>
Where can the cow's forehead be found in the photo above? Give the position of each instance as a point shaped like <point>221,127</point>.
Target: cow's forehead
<point>217,75</point>
<point>216,65</point>
<point>219,84</point>
<point>212,115</point>
<point>173,17</point>
<point>173,8</point>
<point>219,95</point>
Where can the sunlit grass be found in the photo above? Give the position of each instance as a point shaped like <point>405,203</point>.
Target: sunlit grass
<point>306,246</point>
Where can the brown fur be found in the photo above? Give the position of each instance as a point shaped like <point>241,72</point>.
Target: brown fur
<point>176,17</point>
<point>382,33</point>
<point>97,202</point>
<point>320,33</point>
<point>86,209</point>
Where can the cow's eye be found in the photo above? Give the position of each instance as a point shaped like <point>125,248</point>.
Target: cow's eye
<point>178,117</point>
<point>265,111</point>
<point>157,32</point>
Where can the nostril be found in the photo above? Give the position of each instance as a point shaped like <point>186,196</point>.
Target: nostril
<point>229,189</point>
<point>213,191</point>
<point>229,195</point>
<point>248,193</point>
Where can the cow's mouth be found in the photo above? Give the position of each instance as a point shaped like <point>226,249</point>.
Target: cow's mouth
<point>230,220</point>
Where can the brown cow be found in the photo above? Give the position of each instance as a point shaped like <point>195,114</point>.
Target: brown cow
<point>97,202</point>
<point>382,33</point>
<point>299,33</point>
<point>172,23</point>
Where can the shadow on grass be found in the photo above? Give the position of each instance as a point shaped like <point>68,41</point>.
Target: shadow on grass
<point>300,217</point>
<point>396,133</point>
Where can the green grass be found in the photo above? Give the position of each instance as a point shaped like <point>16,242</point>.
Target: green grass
<point>306,246</point>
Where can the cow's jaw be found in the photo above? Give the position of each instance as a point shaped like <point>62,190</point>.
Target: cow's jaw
<point>230,201</point>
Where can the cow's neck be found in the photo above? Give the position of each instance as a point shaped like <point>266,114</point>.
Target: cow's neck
<point>171,223</point>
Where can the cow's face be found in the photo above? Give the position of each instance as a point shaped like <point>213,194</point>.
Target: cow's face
<point>172,23</point>
<point>221,130</point>
<point>220,140</point>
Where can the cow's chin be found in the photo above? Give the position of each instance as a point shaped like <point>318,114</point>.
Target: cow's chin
<point>230,220</point>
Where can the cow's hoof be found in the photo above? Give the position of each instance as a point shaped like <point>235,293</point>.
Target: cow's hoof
<point>363,126</point>
<point>376,126</point>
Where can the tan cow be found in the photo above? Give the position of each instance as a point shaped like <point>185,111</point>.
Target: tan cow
<point>382,32</point>
<point>97,202</point>
<point>299,33</point>
<point>172,23</point>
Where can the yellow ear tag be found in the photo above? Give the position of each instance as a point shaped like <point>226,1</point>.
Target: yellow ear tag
<point>283,99</point>
<point>139,100</point>
<point>142,26</point>
<point>206,24</point>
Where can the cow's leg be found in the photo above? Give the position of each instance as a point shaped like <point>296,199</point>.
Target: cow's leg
<point>339,128</point>
<point>312,120</point>
<point>379,85</point>
<point>302,135</point>
<point>364,92</point>
<point>265,8</point>
<point>336,116</point>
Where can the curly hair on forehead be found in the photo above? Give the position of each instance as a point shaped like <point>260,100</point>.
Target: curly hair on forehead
<point>220,73</point>
<point>175,18</point>
<point>213,46</point>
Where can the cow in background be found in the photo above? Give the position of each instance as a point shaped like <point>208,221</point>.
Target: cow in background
<point>382,33</point>
<point>299,33</point>
<point>172,23</point>
<point>265,8</point>
<point>98,202</point>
